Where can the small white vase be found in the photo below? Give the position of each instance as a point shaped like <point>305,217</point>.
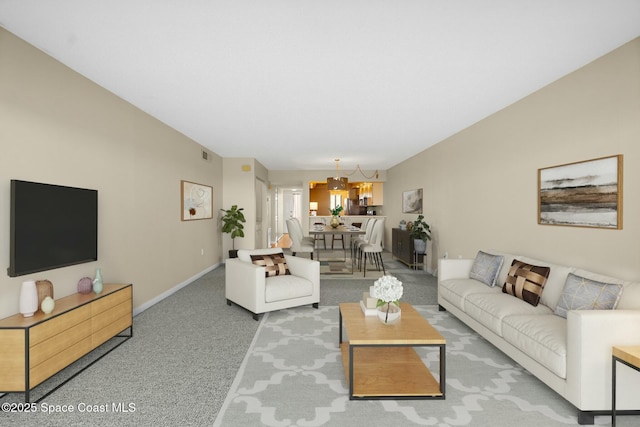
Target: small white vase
<point>97,282</point>
<point>28,298</point>
<point>389,313</point>
<point>48,304</point>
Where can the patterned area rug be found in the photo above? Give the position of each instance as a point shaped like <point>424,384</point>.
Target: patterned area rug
<point>341,268</point>
<point>292,375</point>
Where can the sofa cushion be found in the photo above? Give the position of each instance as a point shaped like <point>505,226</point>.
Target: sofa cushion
<point>555,282</point>
<point>279,288</point>
<point>585,294</point>
<point>274,264</point>
<point>486,267</point>
<point>541,337</point>
<point>526,281</point>
<point>456,290</point>
<point>490,308</point>
<point>506,264</point>
<point>630,298</point>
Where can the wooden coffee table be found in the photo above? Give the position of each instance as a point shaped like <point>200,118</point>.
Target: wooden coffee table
<point>380,361</point>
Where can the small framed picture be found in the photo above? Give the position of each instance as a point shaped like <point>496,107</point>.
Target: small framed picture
<point>412,201</point>
<point>196,201</point>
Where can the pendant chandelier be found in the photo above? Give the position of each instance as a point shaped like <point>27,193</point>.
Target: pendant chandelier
<point>336,183</point>
<point>340,184</point>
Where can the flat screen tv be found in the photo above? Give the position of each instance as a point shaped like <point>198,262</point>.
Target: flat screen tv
<point>52,226</point>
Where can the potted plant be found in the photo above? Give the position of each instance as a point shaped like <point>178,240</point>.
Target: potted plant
<point>335,221</point>
<point>420,232</point>
<point>232,223</point>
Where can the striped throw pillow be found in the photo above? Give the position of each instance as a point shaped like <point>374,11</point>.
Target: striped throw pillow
<point>526,281</point>
<point>275,264</point>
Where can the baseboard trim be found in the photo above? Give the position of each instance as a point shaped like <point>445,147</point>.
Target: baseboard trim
<point>139,309</point>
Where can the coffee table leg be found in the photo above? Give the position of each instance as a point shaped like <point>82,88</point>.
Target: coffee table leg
<point>340,327</point>
<point>350,372</point>
<point>443,379</point>
<point>613,392</point>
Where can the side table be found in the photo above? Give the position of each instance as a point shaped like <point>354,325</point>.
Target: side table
<point>627,355</point>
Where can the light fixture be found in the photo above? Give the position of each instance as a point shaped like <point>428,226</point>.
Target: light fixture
<point>336,183</point>
<point>340,184</point>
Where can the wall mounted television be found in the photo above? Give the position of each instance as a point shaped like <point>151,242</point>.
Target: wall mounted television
<point>51,226</point>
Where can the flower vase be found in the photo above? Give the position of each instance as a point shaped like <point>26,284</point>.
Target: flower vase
<point>28,298</point>
<point>335,221</point>
<point>97,282</point>
<point>389,313</point>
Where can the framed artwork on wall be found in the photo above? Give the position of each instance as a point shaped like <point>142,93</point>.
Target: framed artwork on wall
<point>196,201</point>
<point>582,194</point>
<point>412,201</point>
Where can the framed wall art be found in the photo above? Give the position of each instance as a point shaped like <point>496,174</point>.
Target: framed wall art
<point>582,194</point>
<point>196,201</point>
<point>412,201</point>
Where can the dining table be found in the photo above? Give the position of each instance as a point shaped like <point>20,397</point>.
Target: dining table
<point>327,230</point>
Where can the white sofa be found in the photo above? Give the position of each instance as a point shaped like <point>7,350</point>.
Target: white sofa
<point>571,355</point>
<point>246,283</point>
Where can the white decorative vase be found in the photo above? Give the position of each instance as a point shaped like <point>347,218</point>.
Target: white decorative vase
<point>389,313</point>
<point>28,298</point>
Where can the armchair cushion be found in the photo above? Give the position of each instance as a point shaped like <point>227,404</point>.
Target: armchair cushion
<point>282,288</point>
<point>274,264</point>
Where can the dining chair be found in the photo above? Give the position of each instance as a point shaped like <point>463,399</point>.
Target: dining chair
<point>362,239</point>
<point>298,244</point>
<point>373,248</point>
<point>306,239</point>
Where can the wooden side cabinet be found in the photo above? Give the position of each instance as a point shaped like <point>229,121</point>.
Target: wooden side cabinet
<point>32,349</point>
<point>402,247</point>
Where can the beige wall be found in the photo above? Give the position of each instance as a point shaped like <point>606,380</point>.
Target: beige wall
<point>58,127</point>
<point>480,185</point>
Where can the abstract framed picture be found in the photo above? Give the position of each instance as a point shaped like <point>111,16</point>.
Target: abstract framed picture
<point>582,194</point>
<point>412,201</point>
<point>196,201</point>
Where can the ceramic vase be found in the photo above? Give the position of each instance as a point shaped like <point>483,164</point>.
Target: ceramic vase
<point>28,298</point>
<point>389,313</point>
<point>48,304</point>
<point>97,282</point>
<point>85,285</point>
<point>335,221</point>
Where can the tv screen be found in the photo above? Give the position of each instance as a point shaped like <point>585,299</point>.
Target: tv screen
<point>52,226</point>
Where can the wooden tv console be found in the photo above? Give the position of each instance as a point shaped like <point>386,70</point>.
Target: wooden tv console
<point>32,349</point>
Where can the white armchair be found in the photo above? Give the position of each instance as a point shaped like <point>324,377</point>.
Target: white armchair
<point>246,283</point>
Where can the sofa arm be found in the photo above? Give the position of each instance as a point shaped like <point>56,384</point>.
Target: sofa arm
<point>244,283</point>
<point>590,336</point>
<point>306,268</point>
<point>450,268</point>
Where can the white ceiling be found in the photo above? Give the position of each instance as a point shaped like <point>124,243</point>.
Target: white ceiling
<point>297,83</point>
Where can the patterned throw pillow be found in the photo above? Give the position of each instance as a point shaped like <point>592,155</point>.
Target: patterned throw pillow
<point>526,281</point>
<point>275,264</point>
<point>485,268</point>
<point>580,293</point>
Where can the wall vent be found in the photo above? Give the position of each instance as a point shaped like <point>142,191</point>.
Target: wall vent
<point>205,155</point>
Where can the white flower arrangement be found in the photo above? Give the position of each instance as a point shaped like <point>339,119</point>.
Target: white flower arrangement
<point>387,289</point>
